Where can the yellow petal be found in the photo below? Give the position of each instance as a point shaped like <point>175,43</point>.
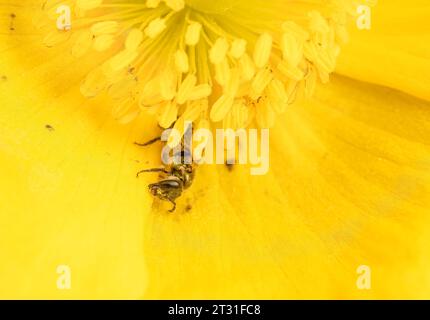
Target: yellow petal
<point>348,186</point>
<point>395,52</point>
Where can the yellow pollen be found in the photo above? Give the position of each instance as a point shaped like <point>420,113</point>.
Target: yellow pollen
<point>229,61</point>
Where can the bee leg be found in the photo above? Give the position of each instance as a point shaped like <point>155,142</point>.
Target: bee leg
<point>148,143</point>
<point>174,205</point>
<point>151,170</point>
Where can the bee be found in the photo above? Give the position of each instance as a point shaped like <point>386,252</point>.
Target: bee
<point>174,179</point>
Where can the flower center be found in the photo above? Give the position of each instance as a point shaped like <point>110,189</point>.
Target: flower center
<point>231,61</point>
<point>212,7</point>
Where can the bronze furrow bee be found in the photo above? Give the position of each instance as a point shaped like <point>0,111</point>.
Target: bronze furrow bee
<point>174,178</point>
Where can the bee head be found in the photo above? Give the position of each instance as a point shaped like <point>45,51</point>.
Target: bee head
<point>155,189</point>
<point>171,187</point>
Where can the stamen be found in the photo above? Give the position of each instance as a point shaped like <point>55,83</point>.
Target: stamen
<point>174,56</point>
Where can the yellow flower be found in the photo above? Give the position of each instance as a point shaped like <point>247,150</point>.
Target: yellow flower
<point>348,184</point>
